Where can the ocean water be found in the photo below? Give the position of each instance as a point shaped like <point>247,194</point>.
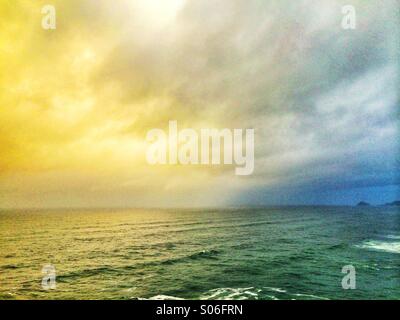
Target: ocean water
<point>263,253</point>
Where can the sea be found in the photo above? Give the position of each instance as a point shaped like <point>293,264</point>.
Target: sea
<point>272,253</point>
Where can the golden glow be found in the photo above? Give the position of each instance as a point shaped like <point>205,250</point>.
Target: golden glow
<point>74,118</point>
<point>158,11</point>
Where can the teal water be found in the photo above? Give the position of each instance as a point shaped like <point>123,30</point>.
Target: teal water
<point>267,253</point>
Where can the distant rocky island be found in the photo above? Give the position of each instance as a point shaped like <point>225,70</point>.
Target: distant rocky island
<point>363,204</point>
<point>393,204</point>
<point>389,204</point>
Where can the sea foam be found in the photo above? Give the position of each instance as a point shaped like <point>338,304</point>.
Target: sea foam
<point>392,247</point>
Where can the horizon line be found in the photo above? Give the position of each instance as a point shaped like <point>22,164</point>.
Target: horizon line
<point>187,207</point>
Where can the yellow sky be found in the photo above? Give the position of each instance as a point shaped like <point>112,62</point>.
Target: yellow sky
<point>72,130</point>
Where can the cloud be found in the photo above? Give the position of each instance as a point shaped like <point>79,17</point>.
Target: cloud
<point>78,101</point>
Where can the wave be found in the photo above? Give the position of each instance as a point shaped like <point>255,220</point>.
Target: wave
<point>338,246</point>
<point>377,245</point>
<point>9,266</point>
<point>204,254</point>
<point>162,297</point>
<point>249,293</point>
<point>246,293</point>
<point>128,269</point>
<point>391,236</point>
<point>276,289</point>
<point>84,273</point>
<point>207,227</point>
<point>312,296</point>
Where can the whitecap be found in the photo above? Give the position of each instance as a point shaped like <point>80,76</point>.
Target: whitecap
<point>275,289</point>
<point>394,237</point>
<point>391,247</point>
<point>231,294</point>
<point>163,297</point>
<point>310,296</point>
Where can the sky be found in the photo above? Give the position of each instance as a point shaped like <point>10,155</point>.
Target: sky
<point>76,102</point>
